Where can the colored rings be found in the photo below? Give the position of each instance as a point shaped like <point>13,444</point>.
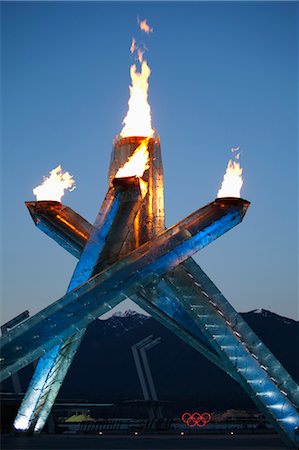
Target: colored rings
<point>196,419</point>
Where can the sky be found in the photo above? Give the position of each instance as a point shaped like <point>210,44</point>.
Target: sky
<point>224,74</point>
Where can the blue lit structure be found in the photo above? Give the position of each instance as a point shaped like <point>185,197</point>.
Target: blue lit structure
<point>127,253</point>
<point>119,281</point>
<point>123,198</point>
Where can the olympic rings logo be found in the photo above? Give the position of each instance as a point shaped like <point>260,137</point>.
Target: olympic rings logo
<point>196,419</point>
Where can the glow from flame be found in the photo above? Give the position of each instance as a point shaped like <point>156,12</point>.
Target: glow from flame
<point>144,26</point>
<point>137,163</point>
<point>54,185</point>
<point>232,180</point>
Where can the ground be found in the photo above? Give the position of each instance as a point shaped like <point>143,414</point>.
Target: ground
<point>152,442</point>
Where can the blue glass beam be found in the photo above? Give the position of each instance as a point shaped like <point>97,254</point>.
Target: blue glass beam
<point>162,302</point>
<point>70,230</point>
<point>220,323</point>
<point>78,308</point>
<point>253,343</point>
<point>53,366</point>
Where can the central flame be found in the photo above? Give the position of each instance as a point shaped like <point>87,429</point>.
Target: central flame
<point>54,185</point>
<point>137,163</point>
<point>138,121</point>
<point>232,180</point>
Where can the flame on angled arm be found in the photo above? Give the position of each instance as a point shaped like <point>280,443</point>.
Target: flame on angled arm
<point>137,163</point>
<point>232,180</point>
<point>54,185</point>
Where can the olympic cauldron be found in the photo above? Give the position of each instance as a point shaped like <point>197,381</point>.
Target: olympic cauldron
<point>128,252</point>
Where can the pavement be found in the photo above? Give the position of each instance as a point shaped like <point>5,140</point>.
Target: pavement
<point>142,442</point>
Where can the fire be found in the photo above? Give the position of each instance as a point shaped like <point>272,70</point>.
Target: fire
<point>140,55</point>
<point>54,185</point>
<point>132,48</point>
<point>137,163</point>
<point>138,121</point>
<point>143,187</point>
<point>232,180</point>
<point>144,26</point>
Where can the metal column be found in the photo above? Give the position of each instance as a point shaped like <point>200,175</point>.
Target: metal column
<point>52,367</point>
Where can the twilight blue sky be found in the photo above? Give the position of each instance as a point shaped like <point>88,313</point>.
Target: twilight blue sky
<point>223,74</point>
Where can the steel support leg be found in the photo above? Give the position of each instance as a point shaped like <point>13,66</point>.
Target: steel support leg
<point>232,338</point>
<point>52,367</point>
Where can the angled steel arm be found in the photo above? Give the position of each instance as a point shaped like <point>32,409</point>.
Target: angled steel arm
<point>53,366</point>
<point>163,303</point>
<point>6,326</point>
<point>70,230</point>
<point>220,329</point>
<point>255,346</point>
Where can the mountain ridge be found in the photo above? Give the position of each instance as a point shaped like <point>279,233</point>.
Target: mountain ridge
<point>103,369</point>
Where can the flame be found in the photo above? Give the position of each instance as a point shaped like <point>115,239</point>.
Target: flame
<point>140,55</point>
<point>143,187</point>
<point>144,26</point>
<point>132,48</point>
<point>54,185</point>
<point>137,163</point>
<point>232,180</point>
<point>138,121</point>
